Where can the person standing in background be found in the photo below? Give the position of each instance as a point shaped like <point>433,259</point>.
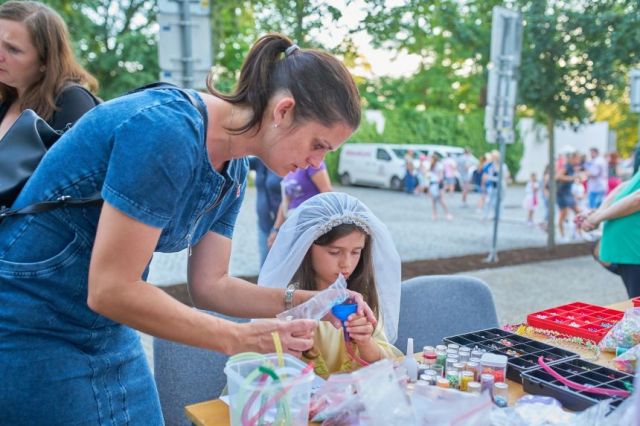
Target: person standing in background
<point>38,70</point>
<point>620,243</point>
<point>268,199</point>
<point>297,187</point>
<point>597,177</point>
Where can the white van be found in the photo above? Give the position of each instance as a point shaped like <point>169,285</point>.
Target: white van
<point>372,164</point>
<point>383,165</point>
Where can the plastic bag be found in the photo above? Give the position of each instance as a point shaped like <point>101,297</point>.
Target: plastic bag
<point>625,334</point>
<point>319,305</point>
<point>369,396</point>
<point>627,361</point>
<point>534,410</point>
<point>438,406</point>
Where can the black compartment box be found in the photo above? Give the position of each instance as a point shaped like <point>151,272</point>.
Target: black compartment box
<point>522,353</point>
<point>539,382</point>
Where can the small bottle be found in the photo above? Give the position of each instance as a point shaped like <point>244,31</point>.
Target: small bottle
<point>442,383</point>
<point>501,394</point>
<point>410,362</point>
<point>473,367</point>
<point>430,376</point>
<point>441,348</point>
<point>466,377</point>
<point>487,381</point>
<point>494,364</point>
<point>474,387</point>
<point>453,346</point>
<point>441,357</point>
<point>453,376</point>
<point>429,355</point>
<point>450,361</point>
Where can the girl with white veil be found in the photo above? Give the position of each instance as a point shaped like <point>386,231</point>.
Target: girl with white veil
<point>333,233</point>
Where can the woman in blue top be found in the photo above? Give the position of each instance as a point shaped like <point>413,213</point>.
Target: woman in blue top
<point>72,280</point>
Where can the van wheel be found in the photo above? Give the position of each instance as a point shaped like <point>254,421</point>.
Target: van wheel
<point>396,183</point>
<point>345,179</point>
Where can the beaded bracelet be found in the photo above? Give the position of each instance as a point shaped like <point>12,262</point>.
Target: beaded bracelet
<point>556,338</point>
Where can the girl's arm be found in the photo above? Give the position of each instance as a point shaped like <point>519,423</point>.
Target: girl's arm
<point>322,181</point>
<point>123,248</point>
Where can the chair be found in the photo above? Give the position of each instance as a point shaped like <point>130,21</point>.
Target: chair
<point>434,307</point>
<point>185,375</point>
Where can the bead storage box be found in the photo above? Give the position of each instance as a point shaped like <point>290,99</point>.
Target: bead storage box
<point>539,382</point>
<point>577,319</point>
<point>522,353</point>
<point>636,302</point>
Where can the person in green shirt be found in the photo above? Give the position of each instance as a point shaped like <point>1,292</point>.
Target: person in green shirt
<point>620,243</point>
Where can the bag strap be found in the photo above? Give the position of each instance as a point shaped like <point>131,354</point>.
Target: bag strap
<point>96,198</point>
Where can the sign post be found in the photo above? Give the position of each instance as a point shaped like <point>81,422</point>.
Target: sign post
<point>506,46</point>
<point>184,46</point>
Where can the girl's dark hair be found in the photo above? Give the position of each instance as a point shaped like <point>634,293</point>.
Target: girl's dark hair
<point>50,37</point>
<point>321,85</point>
<point>361,280</point>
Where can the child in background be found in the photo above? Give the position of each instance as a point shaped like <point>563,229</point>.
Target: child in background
<point>530,201</point>
<point>330,234</point>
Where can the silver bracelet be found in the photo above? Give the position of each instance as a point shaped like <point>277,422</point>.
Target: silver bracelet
<point>288,297</point>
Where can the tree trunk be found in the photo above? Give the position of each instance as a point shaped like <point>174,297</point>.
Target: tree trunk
<point>551,222</point>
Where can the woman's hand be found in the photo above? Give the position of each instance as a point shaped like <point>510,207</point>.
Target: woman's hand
<point>296,336</point>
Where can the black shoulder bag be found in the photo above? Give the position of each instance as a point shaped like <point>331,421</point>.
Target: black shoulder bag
<point>24,145</point>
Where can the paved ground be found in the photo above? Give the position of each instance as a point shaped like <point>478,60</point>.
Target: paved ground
<point>416,235</point>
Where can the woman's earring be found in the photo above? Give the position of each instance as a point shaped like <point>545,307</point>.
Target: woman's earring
<point>43,68</point>
<point>275,126</point>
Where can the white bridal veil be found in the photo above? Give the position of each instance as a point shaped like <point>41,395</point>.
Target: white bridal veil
<point>317,216</point>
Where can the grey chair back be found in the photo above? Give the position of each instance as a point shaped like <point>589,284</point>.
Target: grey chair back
<point>434,307</point>
<point>186,375</point>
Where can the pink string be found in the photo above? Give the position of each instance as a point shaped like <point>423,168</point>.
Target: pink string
<point>578,386</point>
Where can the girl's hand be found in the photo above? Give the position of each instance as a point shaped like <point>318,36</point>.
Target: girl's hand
<point>360,329</point>
<point>363,308</point>
<point>296,336</point>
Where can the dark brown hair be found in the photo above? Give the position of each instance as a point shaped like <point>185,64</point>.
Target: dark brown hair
<point>50,37</point>
<point>322,87</point>
<point>361,280</point>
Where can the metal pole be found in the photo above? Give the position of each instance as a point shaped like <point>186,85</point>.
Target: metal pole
<point>504,77</point>
<point>187,54</point>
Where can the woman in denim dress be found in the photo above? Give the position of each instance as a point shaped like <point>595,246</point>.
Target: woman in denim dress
<point>72,280</point>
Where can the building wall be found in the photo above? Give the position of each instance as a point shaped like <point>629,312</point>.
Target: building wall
<point>536,153</point>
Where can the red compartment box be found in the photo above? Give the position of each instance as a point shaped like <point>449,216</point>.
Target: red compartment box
<point>578,319</point>
<point>636,301</point>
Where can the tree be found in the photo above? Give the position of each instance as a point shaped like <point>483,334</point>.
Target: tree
<point>116,40</point>
<point>572,55</point>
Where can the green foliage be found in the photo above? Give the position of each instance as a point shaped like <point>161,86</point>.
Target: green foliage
<point>114,40</point>
<point>437,127</point>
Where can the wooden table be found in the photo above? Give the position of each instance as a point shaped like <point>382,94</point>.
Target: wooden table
<point>216,412</point>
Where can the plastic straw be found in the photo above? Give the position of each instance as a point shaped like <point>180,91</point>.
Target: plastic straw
<point>276,397</point>
<point>580,387</point>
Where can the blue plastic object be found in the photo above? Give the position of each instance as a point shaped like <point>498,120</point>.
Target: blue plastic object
<point>343,310</point>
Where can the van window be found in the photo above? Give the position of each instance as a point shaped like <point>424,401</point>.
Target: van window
<point>383,155</point>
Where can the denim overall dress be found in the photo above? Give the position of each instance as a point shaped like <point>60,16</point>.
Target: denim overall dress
<point>60,362</point>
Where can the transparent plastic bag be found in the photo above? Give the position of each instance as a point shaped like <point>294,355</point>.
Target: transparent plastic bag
<point>438,406</point>
<point>319,305</point>
<point>625,334</point>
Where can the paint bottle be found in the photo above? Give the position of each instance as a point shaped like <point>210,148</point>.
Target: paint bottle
<point>410,362</point>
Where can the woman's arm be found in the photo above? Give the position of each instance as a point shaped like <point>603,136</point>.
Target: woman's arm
<point>623,207</point>
<point>122,249</point>
<point>322,181</point>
